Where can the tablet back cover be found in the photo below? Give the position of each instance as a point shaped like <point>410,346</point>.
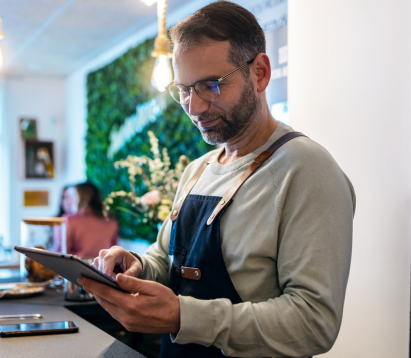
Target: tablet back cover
<point>68,266</point>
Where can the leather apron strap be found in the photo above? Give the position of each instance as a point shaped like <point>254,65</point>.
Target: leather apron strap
<point>187,189</point>
<point>250,170</point>
<point>240,181</point>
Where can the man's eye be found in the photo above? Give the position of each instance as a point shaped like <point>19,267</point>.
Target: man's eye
<point>209,84</point>
<point>182,90</point>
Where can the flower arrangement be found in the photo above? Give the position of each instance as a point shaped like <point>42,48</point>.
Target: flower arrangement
<point>159,179</point>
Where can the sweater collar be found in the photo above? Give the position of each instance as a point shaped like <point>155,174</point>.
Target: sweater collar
<point>221,169</point>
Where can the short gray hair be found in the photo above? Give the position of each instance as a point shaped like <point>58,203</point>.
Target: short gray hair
<point>222,21</point>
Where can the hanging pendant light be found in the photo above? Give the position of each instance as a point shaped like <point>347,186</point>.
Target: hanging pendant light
<point>162,72</point>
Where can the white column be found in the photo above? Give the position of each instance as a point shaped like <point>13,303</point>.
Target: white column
<point>350,90</point>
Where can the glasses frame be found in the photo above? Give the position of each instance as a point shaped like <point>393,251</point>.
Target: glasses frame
<point>216,82</point>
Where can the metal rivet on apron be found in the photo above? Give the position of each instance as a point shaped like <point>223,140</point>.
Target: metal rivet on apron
<point>182,271</point>
<point>196,273</point>
<point>175,212</point>
<point>222,202</point>
<point>182,198</point>
<point>212,216</point>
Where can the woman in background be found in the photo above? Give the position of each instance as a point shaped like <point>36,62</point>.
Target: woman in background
<point>88,231</point>
<point>67,207</point>
<point>68,202</point>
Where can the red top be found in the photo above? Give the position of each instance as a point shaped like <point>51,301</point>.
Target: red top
<point>88,234</point>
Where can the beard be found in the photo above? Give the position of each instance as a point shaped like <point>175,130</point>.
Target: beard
<point>233,123</point>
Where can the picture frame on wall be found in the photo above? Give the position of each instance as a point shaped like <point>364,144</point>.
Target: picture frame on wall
<point>39,159</point>
<point>28,128</point>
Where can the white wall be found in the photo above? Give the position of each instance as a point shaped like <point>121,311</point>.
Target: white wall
<point>39,98</point>
<point>350,90</point>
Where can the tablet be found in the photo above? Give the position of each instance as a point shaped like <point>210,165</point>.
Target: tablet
<point>70,267</point>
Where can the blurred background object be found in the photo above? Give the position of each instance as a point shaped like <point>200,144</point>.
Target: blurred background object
<point>68,201</point>
<point>37,272</point>
<point>88,231</point>
<point>46,234</point>
<point>28,128</point>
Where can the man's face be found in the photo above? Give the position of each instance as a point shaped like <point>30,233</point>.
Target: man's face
<point>227,118</point>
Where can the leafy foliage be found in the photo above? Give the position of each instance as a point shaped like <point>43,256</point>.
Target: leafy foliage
<point>159,179</point>
<point>113,92</point>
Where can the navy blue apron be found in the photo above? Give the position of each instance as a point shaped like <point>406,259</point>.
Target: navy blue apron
<point>197,267</point>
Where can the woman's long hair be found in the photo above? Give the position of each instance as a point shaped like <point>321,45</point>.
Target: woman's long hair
<point>61,209</point>
<point>90,197</point>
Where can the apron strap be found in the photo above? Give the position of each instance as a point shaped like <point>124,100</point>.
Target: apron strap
<point>250,170</point>
<point>240,181</point>
<point>187,189</point>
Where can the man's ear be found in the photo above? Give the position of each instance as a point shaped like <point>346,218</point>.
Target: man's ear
<point>261,71</point>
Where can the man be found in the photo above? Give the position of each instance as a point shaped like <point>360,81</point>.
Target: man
<point>247,265</point>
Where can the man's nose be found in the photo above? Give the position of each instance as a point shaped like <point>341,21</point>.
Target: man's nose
<point>197,104</point>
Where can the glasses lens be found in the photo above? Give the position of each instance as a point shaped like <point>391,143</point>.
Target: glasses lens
<point>208,90</point>
<point>180,94</point>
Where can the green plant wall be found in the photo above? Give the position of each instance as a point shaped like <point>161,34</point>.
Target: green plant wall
<point>113,92</point>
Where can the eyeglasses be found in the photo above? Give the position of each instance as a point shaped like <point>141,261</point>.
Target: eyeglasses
<point>206,89</point>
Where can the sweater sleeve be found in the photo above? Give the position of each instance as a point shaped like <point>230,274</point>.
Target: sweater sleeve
<point>155,261</point>
<point>313,241</point>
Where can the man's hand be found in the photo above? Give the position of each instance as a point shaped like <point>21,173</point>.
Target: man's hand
<point>150,308</point>
<point>117,256</point>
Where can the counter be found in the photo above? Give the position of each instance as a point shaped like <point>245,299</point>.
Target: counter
<point>89,342</point>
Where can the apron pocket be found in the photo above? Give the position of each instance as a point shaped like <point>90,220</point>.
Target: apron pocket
<point>177,255</point>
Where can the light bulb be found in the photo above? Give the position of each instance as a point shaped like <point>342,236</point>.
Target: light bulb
<point>162,74</point>
<point>1,59</point>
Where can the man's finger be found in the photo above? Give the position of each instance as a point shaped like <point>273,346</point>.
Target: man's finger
<point>112,309</point>
<point>136,285</point>
<point>134,270</point>
<point>107,264</point>
<point>100,289</point>
<point>101,256</point>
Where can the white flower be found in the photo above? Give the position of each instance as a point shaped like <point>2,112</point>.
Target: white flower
<point>151,198</point>
<point>160,180</point>
<point>163,212</point>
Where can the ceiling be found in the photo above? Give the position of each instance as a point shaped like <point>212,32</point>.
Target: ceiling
<point>54,37</point>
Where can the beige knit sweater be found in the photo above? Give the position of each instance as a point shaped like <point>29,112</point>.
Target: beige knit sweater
<point>286,243</point>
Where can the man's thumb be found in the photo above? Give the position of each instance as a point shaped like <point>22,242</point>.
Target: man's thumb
<point>132,284</point>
